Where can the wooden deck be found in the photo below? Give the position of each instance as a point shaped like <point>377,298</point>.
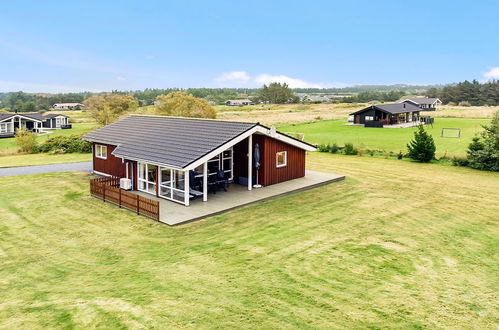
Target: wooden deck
<point>172,213</point>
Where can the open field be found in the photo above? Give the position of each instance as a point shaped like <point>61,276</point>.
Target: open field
<point>408,246</point>
<point>42,159</point>
<point>389,139</point>
<point>448,111</point>
<point>288,113</point>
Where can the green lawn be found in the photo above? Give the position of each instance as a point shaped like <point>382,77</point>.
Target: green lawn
<point>395,245</point>
<point>389,139</point>
<point>42,159</point>
<point>7,145</point>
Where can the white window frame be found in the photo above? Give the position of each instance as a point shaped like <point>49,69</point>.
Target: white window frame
<point>220,159</point>
<point>285,159</point>
<point>146,181</point>
<point>369,118</point>
<point>169,185</point>
<point>6,127</point>
<point>100,151</point>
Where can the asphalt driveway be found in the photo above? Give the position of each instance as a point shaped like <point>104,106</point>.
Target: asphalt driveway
<point>80,167</point>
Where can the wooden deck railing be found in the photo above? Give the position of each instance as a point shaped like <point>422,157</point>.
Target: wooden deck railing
<point>108,190</point>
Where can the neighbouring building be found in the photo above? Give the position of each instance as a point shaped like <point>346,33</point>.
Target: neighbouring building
<point>180,158</point>
<point>240,102</point>
<point>379,115</point>
<point>68,106</point>
<point>33,122</point>
<point>425,103</point>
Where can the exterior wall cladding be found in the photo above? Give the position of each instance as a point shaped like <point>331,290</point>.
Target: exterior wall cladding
<point>269,173</point>
<point>112,165</point>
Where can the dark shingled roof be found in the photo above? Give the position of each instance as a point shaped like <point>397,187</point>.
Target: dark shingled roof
<point>423,100</point>
<point>35,115</point>
<point>4,115</point>
<point>167,140</point>
<point>392,108</point>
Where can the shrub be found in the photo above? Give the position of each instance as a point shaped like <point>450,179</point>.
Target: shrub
<point>26,141</point>
<point>464,104</point>
<point>65,144</point>
<point>349,149</point>
<point>334,148</point>
<point>323,147</point>
<point>422,148</point>
<point>460,161</point>
<point>400,155</point>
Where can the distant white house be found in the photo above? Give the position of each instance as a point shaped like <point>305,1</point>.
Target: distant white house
<point>238,102</point>
<point>68,106</point>
<point>425,103</point>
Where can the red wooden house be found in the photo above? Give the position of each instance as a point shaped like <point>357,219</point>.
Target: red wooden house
<point>159,155</point>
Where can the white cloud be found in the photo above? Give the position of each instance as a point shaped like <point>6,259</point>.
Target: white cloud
<point>120,78</point>
<point>234,76</point>
<point>292,82</point>
<point>149,57</point>
<point>492,73</point>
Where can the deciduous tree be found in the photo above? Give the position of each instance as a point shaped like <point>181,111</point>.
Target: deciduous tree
<point>107,108</point>
<point>181,104</point>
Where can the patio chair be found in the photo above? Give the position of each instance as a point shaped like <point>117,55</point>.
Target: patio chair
<point>223,180</point>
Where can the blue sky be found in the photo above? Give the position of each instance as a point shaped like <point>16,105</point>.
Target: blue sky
<point>62,46</point>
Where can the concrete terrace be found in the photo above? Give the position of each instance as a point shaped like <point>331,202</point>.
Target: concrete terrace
<point>236,196</point>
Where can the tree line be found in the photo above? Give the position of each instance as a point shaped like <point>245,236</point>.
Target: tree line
<point>468,93</point>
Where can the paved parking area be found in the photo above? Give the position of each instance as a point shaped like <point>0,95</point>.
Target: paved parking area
<point>23,170</point>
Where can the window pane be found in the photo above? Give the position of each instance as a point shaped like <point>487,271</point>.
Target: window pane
<point>227,164</point>
<point>142,185</point>
<point>165,192</point>
<point>166,176</point>
<point>281,158</point>
<point>151,188</point>
<point>178,195</point>
<point>213,167</point>
<point>179,180</point>
<point>151,173</point>
<point>142,171</point>
<point>227,153</point>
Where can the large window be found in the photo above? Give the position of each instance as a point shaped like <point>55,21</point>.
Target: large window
<point>147,178</point>
<point>100,151</point>
<point>171,184</point>
<point>222,161</point>
<point>281,159</point>
<point>59,122</point>
<point>6,128</point>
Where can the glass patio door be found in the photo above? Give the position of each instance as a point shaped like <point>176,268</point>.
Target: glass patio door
<point>172,184</point>
<point>147,178</point>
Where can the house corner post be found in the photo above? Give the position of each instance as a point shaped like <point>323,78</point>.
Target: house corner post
<point>186,187</point>
<point>250,162</point>
<point>205,182</point>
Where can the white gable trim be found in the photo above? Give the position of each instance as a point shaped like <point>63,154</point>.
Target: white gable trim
<point>21,116</point>
<point>256,129</point>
